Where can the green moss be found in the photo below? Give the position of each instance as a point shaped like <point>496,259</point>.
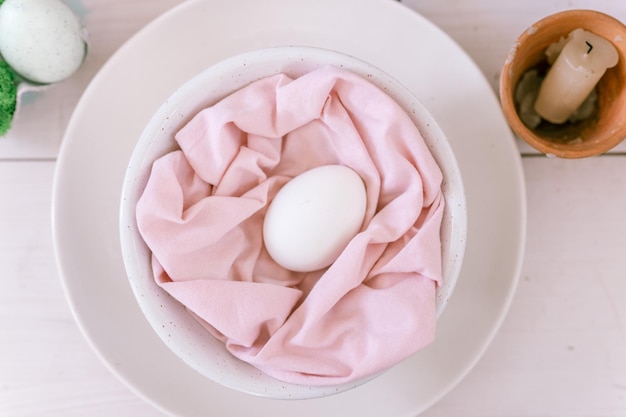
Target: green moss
<point>8,96</point>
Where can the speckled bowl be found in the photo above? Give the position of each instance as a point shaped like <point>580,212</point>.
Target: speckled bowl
<point>170,320</point>
<point>594,135</point>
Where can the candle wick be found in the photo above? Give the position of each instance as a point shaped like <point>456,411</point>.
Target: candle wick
<point>590,46</point>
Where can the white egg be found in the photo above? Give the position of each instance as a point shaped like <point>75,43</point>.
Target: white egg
<point>41,39</point>
<point>314,216</point>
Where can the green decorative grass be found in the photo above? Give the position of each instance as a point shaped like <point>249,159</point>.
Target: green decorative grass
<point>8,96</point>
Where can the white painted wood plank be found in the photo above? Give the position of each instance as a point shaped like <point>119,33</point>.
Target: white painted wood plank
<point>484,28</point>
<point>561,351</point>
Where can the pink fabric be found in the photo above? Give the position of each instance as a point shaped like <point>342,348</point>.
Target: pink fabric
<point>202,214</point>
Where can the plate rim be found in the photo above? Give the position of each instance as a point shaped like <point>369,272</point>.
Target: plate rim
<point>61,255</point>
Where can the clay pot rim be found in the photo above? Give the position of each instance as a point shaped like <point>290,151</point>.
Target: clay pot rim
<point>592,20</point>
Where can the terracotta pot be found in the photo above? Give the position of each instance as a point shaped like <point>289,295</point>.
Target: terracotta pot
<point>599,132</point>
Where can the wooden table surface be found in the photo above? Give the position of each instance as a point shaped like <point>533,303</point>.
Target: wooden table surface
<point>561,350</point>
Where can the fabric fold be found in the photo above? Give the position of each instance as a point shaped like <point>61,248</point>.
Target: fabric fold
<point>202,211</point>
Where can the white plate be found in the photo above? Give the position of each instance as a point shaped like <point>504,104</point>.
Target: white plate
<point>131,86</point>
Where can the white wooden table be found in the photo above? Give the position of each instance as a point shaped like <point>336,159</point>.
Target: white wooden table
<point>561,350</point>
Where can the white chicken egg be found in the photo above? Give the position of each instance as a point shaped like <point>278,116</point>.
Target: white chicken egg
<point>314,216</point>
<point>41,39</point>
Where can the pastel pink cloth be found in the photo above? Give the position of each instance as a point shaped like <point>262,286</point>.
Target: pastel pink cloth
<point>202,214</point>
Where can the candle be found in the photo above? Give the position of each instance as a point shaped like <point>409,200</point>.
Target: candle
<point>576,71</point>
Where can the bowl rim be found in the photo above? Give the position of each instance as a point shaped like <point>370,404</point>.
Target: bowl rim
<point>297,60</point>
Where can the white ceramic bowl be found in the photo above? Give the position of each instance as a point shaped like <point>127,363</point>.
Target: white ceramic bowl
<point>185,336</point>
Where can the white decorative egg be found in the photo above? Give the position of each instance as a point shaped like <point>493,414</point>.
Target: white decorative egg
<point>314,216</point>
<point>41,39</point>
